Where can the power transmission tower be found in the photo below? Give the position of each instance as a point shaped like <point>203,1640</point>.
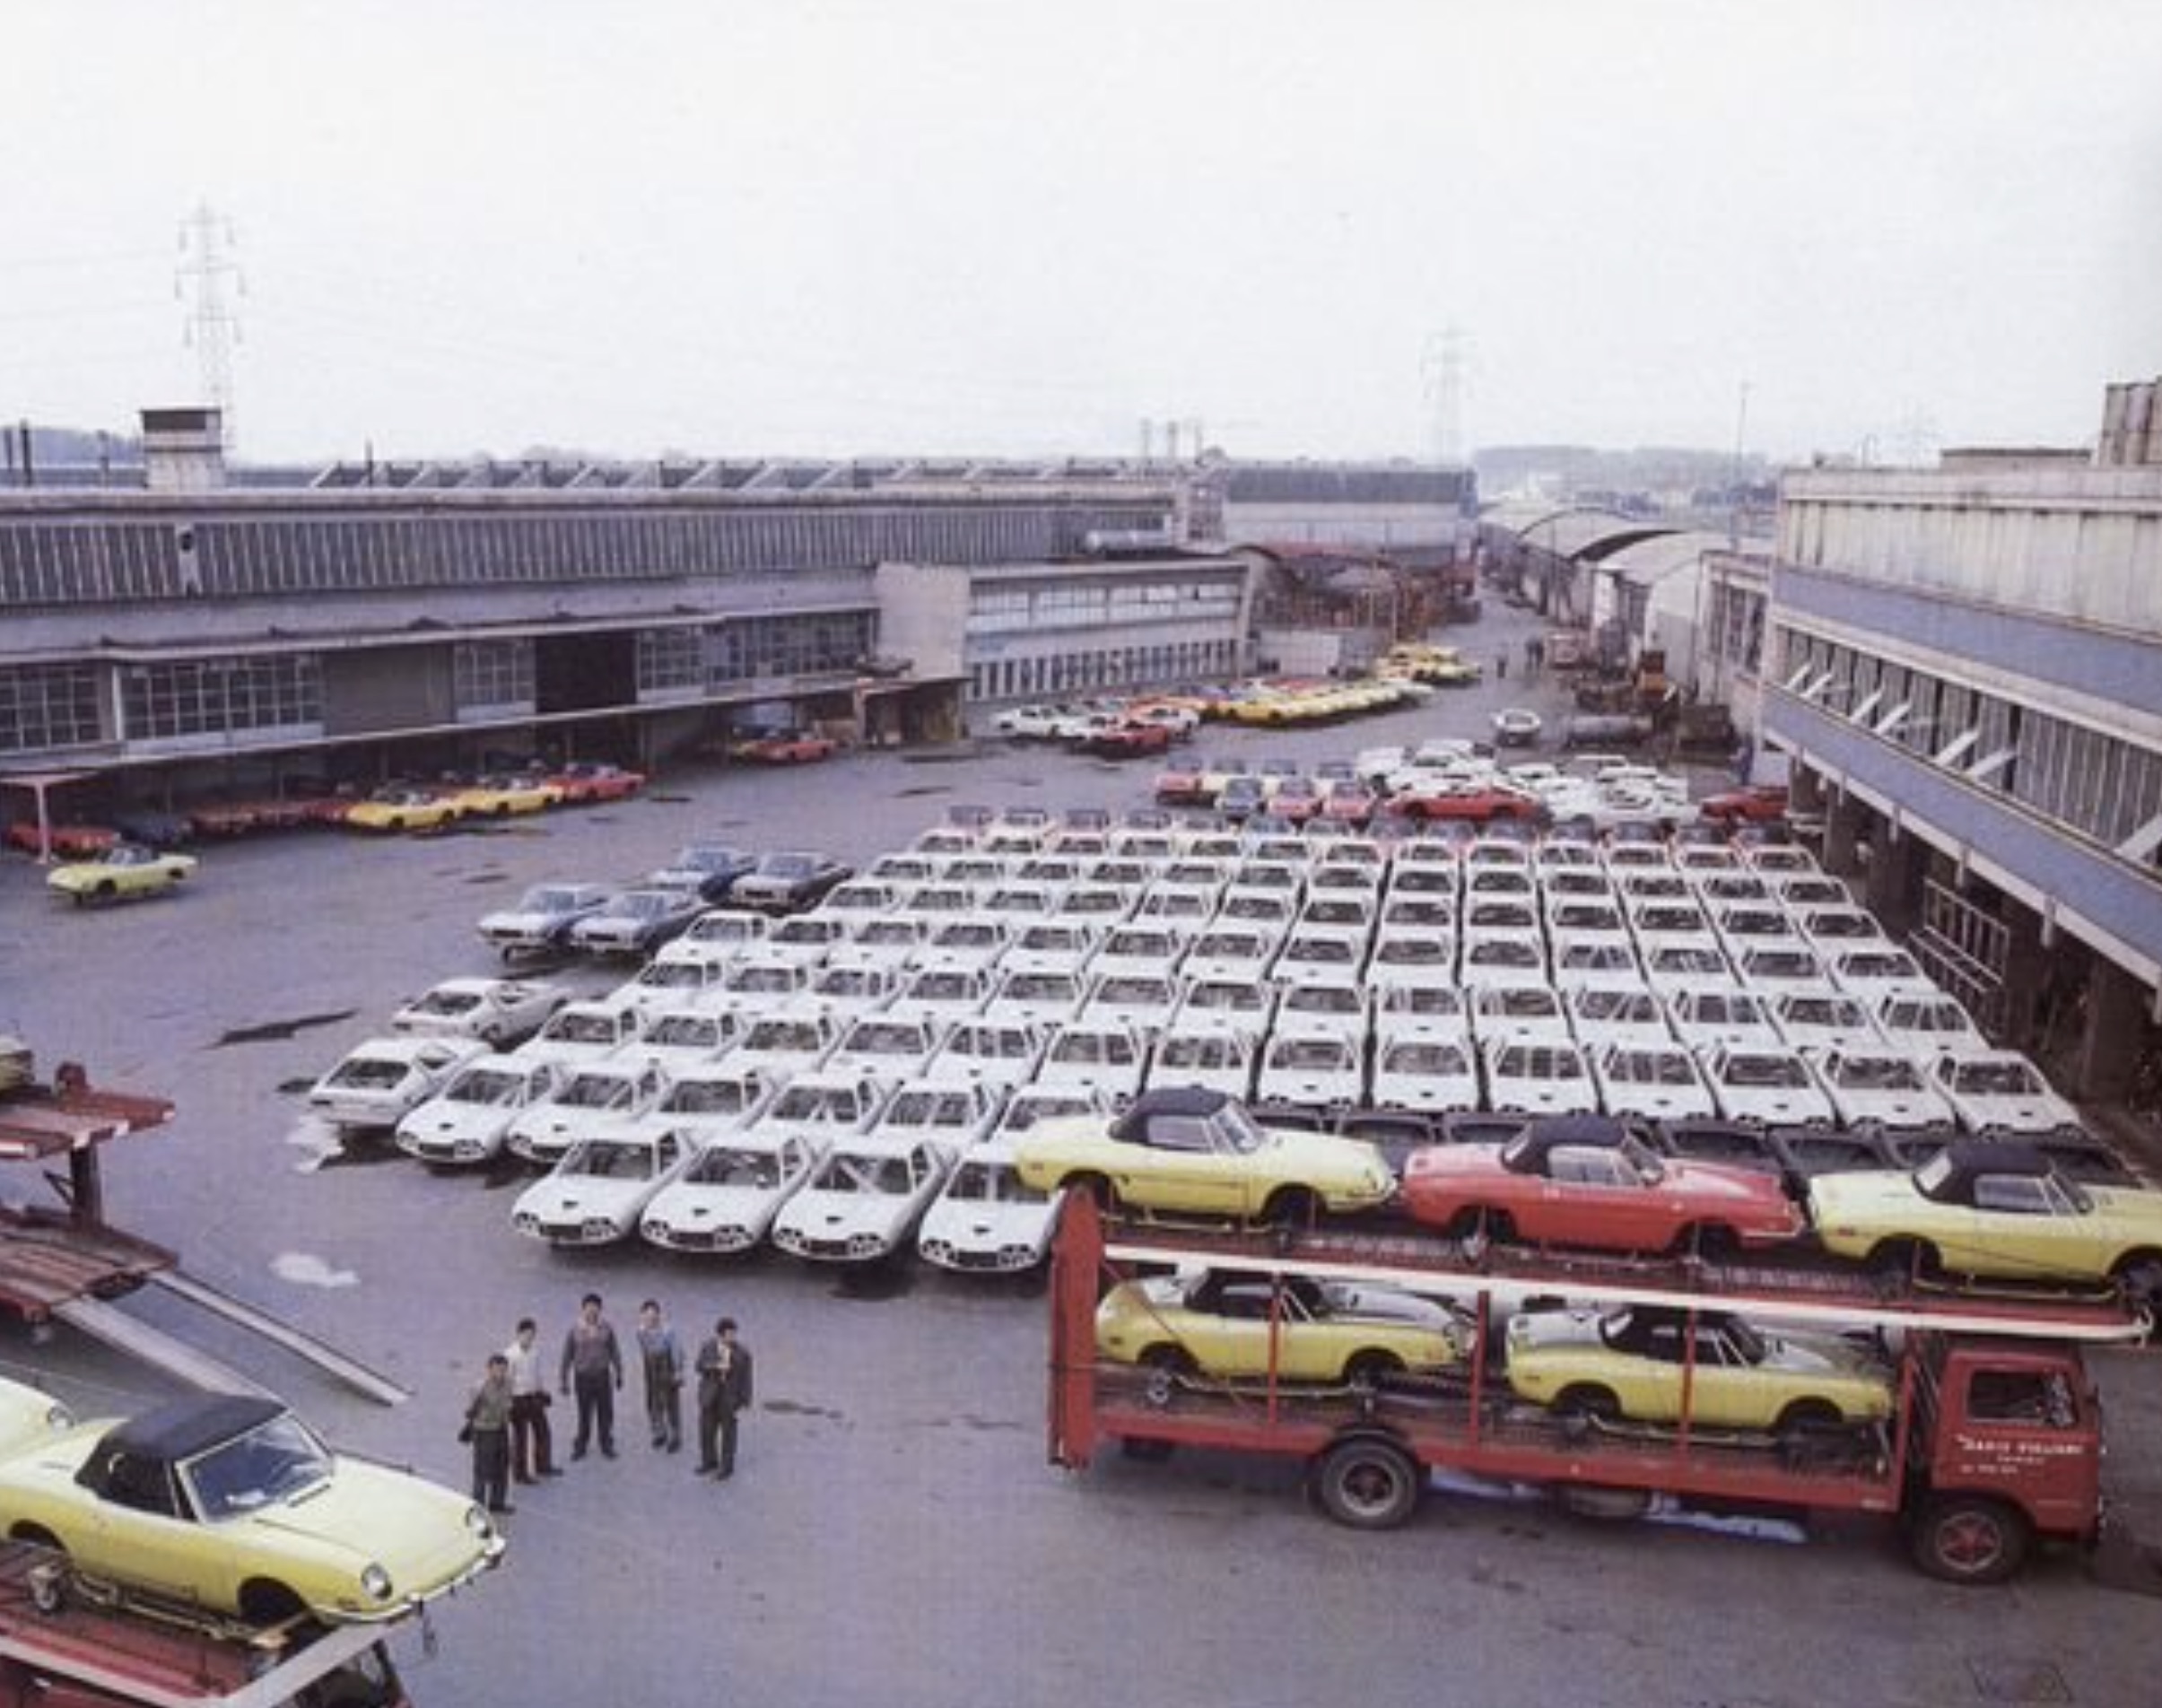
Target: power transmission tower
<point>1443,367</point>
<point>212,327</point>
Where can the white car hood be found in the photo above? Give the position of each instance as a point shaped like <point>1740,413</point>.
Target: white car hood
<point>574,1200</point>
<point>973,1226</point>
<point>827,1216</point>
<point>689,1206</point>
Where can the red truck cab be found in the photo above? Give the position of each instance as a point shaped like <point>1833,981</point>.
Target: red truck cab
<point>2008,1448</point>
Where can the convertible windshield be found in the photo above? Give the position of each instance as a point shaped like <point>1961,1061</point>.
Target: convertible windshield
<point>273,1461</point>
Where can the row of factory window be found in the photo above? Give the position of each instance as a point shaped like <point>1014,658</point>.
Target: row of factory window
<point>54,708</point>
<point>2098,784</point>
<point>49,562</point>
<point>754,649</point>
<point>1143,667</point>
<point>995,609</point>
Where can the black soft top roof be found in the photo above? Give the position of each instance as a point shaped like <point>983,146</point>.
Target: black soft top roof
<point>1529,1152</point>
<point>180,1428</point>
<point>1170,1099</point>
<point>1970,1157</point>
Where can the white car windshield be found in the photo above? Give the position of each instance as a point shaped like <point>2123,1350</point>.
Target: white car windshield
<point>273,1461</point>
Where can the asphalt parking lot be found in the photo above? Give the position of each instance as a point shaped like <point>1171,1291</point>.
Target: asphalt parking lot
<point>894,1535</point>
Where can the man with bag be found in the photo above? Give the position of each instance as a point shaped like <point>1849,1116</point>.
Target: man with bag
<point>724,1389</point>
<point>488,1428</point>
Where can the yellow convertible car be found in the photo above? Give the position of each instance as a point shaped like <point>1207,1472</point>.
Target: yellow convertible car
<point>1997,1208</point>
<point>1233,1326</point>
<point>124,870</point>
<point>1182,1148</point>
<point>403,809</point>
<point>1631,1363</point>
<point>231,1502</point>
<point>502,793</point>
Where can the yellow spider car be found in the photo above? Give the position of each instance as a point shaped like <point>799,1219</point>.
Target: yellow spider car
<point>1994,1207</point>
<point>1223,1323</point>
<point>124,870</point>
<point>1182,1148</point>
<point>1631,1363</point>
<point>502,796</point>
<point>231,1502</point>
<point>403,809</point>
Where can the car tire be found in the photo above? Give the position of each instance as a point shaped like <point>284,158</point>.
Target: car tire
<point>1968,1538</point>
<point>264,1601</point>
<point>106,891</point>
<point>1369,1484</point>
<point>1588,1401</point>
<point>2139,1274</point>
<point>1903,1260</point>
<point>1096,1188</point>
<point>1291,1208</point>
<point>1167,1368</point>
<point>1803,1418</point>
<point>1372,1368</point>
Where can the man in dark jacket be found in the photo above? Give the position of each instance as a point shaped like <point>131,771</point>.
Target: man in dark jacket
<point>724,1389</point>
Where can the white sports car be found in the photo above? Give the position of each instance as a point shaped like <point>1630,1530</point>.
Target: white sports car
<point>988,1218</point>
<point>727,1196</point>
<point>382,1080</point>
<point>596,1193</point>
<point>863,1201</point>
<point>497,1011</point>
<point>2000,1090</point>
<point>468,1119</point>
<point>1431,1073</point>
<point>592,1097</point>
<point>1765,1083</point>
<point>1651,1081</point>
<point>1311,1070</point>
<point>1879,1087</point>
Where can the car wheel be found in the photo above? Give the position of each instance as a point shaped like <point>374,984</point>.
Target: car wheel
<point>1095,1188</point>
<point>1712,1244</point>
<point>1966,1539</point>
<point>104,891</point>
<point>1903,1260</point>
<point>1804,1417</point>
<point>1168,1368</point>
<point>1370,1368</point>
<point>1292,1207</point>
<point>1586,1400</point>
<point>2140,1276</point>
<point>1369,1485</point>
<point>264,1601</point>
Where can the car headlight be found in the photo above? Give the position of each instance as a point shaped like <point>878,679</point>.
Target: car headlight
<point>376,1581</point>
<point>598,1228</point>
<point>58,1417</point>
<point>477,1521</point>
<point>526,1222</point>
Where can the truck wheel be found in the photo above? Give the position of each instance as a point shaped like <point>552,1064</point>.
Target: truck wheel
<point>1968,1538</point>
<point>1369,1485</point>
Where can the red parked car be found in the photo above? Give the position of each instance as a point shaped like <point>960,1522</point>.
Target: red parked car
<point>1349,803</point>
<point>1179,784</point>
<point>1589,1181</point>
<point>1129,740</point>
<point>587,779</point>
<point>1753,805</point>
<point>1476,806</point>
<point>784,747</point>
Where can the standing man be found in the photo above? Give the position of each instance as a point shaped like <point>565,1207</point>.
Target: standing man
<point>488,1427</point>
<point>593,1362</point>
<point>724,1389</point>
<point>661,1354</point>
<point>532,1445</point>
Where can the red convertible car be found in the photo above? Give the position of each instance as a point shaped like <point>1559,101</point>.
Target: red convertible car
<point>1589,1181</point>
<point>1754,805</point>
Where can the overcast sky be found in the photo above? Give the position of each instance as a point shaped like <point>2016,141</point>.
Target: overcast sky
<point>1022,226</point>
